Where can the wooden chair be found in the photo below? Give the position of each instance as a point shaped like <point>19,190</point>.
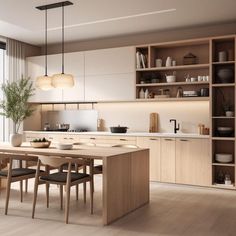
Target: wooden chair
<point>62,178</point>
<point>15,174</point>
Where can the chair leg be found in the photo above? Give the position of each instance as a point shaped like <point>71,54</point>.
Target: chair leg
<point>47,194</point>
<point>21,191</point>
<point>77,192</point>
<point>93,184</point>
<point>35,196</point>
<point>67,203</point>
<point>61,196</point>
<point>85,192</point>
<point>7,195</point>
<point>26,186</point>
<point>91,196</point>
<point>84,185</point>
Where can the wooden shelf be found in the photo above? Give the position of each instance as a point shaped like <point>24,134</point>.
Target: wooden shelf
<point>222,164</point>
<point>181,67</point>
<point>172,84</point>
<point>223,63</point>
<point>224,85</point>
<point>173,99</point>
<point>222,117</point>
<point>224,138</point>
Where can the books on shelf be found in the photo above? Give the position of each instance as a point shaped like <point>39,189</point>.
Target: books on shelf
<point>141,60</point>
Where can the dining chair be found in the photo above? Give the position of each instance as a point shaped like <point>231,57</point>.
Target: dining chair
<point>18,174</point>
<point>63,178</point>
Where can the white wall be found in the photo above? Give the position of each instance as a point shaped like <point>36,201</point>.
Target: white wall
<point>136,115</point>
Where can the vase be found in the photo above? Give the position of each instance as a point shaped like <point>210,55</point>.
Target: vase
<point>16,139</point>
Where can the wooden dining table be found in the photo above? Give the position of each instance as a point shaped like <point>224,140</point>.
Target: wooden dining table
<point>125,174</point>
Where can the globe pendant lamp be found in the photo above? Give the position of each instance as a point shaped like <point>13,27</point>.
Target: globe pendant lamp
<point>63,80</point>
<point>45,82</point>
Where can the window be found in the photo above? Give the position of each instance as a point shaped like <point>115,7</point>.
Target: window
<point>2,80</point>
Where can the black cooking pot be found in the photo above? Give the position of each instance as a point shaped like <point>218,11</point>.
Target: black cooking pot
<point>118,129</point>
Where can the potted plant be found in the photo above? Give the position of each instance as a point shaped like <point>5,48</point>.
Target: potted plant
<point>15,105</point>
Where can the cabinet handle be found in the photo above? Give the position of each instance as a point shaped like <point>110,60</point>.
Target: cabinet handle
<point>71,138</point>
<point>184,140</point>
<point>93,138</point>
<point>168,139</point>
<point>65,138</point>
<point>50,138</point>
<point>154,139</point>
<point>123,139</point>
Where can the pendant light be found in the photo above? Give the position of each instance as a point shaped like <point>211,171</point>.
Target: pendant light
<point>45,82</point>
<point>63,80</point>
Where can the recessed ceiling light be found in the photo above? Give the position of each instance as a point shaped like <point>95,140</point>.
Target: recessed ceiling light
<point>117,18</point>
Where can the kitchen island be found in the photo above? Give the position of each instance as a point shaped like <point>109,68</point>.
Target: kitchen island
<point>125,174</point>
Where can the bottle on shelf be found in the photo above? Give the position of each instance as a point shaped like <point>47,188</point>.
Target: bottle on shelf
<point>141,93</point>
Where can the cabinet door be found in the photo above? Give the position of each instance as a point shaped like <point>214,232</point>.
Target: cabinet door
<point>110,61</point>
<point>35,68</point>
<point>74,64</point>
<point>154,155</point>
<point>113,87</point>
<point>193,163</point>
<point>168,160</point>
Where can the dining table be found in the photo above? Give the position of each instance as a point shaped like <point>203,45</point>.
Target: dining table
<point>125,182</point>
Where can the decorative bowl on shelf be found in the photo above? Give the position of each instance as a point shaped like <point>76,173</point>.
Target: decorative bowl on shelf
<point>170,78</point>
<point>224,157</point>
<point>39,144</point>
<point>225,75</point>
<point>225,131</point>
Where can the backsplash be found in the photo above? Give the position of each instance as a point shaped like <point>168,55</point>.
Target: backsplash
<point>134,115</point>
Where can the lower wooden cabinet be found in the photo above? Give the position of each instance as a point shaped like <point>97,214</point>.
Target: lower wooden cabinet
<point>154,145</point>
<point>168,160</point>
<point>193,162</point>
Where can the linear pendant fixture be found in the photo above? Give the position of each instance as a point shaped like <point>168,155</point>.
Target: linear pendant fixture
<point>45,82</point>
<point>61,80</point>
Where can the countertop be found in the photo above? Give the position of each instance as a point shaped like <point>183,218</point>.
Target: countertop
<point>136,134</point>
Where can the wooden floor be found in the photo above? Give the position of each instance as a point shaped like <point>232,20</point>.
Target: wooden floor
<point>174,210</point>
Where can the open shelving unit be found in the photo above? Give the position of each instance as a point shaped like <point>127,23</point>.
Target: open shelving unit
<point>222,93</point>
<point>222,98</point>
<point>145,77</point>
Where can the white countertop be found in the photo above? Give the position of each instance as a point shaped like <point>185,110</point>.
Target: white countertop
<point>140,134</point>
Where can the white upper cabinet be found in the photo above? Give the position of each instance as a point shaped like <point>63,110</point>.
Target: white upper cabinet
<point>100,75</point>
<point>74,64</point>
<point>110,74</point>
<point>114,87</point>
<point>110,61</point>
<point>35,68</point>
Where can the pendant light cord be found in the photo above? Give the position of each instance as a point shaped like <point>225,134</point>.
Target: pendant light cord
<point>46,43</point>
<point>62,39</point>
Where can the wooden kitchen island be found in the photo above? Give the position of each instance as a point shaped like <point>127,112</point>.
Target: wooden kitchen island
<point>125,174</point>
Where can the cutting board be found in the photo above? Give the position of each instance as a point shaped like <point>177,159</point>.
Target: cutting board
<point>153,126</point>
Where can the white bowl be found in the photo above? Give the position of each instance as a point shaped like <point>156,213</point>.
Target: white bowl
<point>170,78</point>
<point>224,157</point>
<point>64,146</point>
<point>225,128</point>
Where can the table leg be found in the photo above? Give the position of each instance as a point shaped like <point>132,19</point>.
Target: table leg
<point>125,184</point>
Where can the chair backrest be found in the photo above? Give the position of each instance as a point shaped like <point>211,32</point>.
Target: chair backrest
<point>57,161</point>
<point>126,146</point>
<point>53,161</point>
<point>18,157</point>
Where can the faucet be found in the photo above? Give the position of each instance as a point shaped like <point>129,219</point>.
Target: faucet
<point>176,128</point>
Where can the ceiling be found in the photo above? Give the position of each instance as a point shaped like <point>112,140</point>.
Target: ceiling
<point>91,19</point>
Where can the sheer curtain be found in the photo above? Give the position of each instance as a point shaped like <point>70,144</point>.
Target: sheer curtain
<point>15,68</point>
